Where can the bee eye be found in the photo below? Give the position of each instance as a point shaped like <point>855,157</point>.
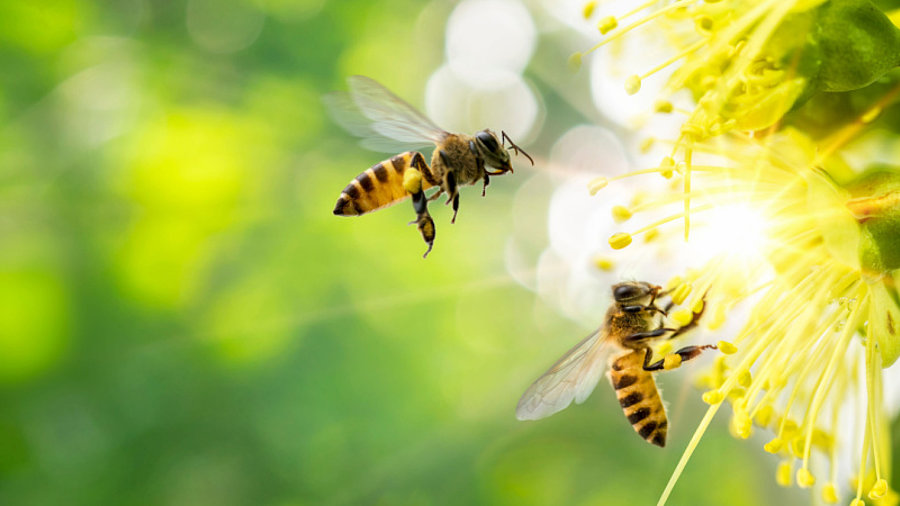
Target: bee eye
<point>626,292</point>
<point>488,140</point>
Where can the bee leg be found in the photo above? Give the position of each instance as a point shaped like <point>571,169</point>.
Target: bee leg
<point>694,321</point>
<point>487,181</point>
<point>639,336</point>
<point>423,220</point>
<point>436,194</point>
<point>451,187</point>
<point>455,208</point>
<point>686,353</point>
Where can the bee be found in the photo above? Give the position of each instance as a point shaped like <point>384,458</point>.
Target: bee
<point>371,110</point>
<point>632,323</point>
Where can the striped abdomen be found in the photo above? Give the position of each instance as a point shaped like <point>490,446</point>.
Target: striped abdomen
<point>638,396</point>
<point>377,187</point>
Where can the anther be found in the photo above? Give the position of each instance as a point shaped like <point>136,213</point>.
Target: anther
<point>784,474</point>
<point>575,62</point>
<point>713,397</point>
<point>604,263</point>
<point>588,9</point>
<point>829,493</point>
<point>663,107</point>
<point>805,479</point>
<point>633,84</point>
<point>607,24</point>
<point>774,446</point>
<point>878,490</point>
<point>620,214</point>
<point>597,184</point>
<point>620,240</point>
<point>727,348</point>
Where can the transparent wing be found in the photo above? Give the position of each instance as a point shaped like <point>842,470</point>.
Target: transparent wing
<point>382,119</point>
<point>572,377</point>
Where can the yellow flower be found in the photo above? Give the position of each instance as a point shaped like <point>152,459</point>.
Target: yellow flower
<point>748,62</point>
<point>823,321</point>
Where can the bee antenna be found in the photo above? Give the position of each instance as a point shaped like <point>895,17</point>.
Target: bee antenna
<point>516,148</point>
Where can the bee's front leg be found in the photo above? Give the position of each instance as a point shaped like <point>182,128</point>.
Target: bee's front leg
<point>487,181</point>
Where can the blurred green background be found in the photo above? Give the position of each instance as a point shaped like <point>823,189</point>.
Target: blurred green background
<point>184,322</point>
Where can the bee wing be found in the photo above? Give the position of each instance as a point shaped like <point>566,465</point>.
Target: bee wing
<point>384,121</point>
<point>572,377</point>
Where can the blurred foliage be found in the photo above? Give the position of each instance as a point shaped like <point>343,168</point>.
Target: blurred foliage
<point>183,321</point>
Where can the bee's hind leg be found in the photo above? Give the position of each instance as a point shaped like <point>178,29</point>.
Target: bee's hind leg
<point>686,353</point>
<point>423,220</point>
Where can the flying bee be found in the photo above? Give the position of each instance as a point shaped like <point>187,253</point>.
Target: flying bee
<point>371,110</point>
<point>632,323</point>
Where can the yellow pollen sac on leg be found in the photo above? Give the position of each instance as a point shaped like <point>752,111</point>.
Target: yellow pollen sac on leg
<point>829,493</point>
<point>805,479</point>
<point>683,317</point>
<point>726,347</point>
<point>607,24</point>
<point>774,446</point>
<point>620,214</point>
<point>878,490</point>
<point>713,397</point>
<point>633,84</point>
<point>597,184</point>
<point>412,181</point>
<point>672,361</point>
<point>620,240</point>
<point>784,474</point>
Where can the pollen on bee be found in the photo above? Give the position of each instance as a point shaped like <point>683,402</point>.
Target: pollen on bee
<point>412,180</point>
<point>672,361</point>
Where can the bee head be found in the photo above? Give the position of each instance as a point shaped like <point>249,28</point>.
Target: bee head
<point>493,150</point>
<point>634,292</point>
